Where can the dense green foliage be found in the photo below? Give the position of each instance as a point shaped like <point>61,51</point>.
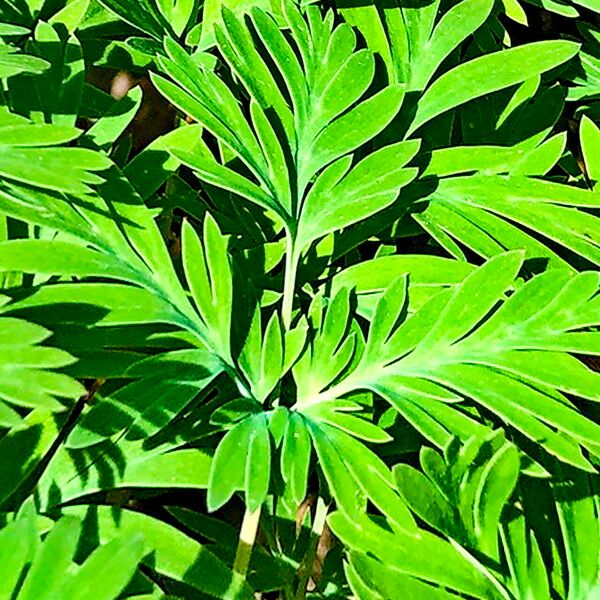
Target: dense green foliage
<point>309,313</point>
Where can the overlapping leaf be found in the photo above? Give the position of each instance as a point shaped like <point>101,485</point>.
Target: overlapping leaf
<point>258,353</point>
<point>473,342</point>
<point>465,500</point>
<point>502,532</point>
<point>126,248</point>
<point>131,251</point>
<point>31,154</point>
<point>384,562</point>
<point>54,96</point>
<point>47,570</point>
<point>29,376</point>
<point>288,144</point>
<point>13,62</point>
<point>490,213</point>
<point>415,40</point>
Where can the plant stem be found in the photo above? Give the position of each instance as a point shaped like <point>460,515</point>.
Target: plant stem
<point>251,518</point>
<point>309,557</point>
<point>246,541</point>
<point>289,282</point>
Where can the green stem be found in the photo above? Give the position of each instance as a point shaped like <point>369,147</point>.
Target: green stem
<point>289,282</point>
<point>307,563</point>
<point>246,541</point>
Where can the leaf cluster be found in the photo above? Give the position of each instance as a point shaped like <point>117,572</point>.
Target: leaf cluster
<point>332,332</point>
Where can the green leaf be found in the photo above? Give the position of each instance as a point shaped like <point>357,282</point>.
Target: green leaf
<point>426,500</point>
<point>71,15</point>
<point>228,468</point>
<point>52,561</point>
<point>108,570</point>
<point>471,79</point>
<point>37,135</point>
<point>377,581</point>
<point>295,457</point>
<point>55,95</point>
<point>342,485</point>
<point>234,411</point>
<point>457,342</point>
<point>165,384</point>
<point>60,258</point>
<point>590,142</point>
<point>110,126</point>
<point>13,63</point>
<point>258,463</point>
<point>491,213</point>
<point>288,145</point>
<point>212,15</point>
<point>8,29</point>
<point>329,354</point>
<point>426,557</point>
<point>149,169</point>
<point>16,556</point>
<point>526,564</point>
<point>124,466</point>
<point>28,370</point>
<point>143,15</point>
<point>208,272</point>
<point>370,473</point>
<point>454,27</point>
<point>366,189</point>
<point>353,129</point>
<point>497,482</point>
<point>334,413</point>
<point>579,525</point>
<point>177,13</point>
<point>61,169</point>
<point>169,552</point>
<point>26,443</point>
